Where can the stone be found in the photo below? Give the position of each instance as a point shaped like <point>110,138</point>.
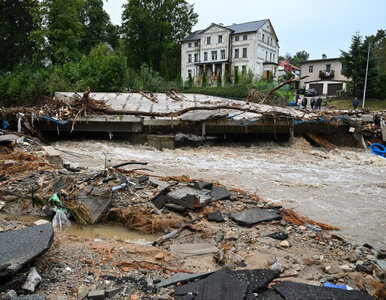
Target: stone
<point>175,207</point>
<point>189,197</point>
<point>33,279</point>
<point>110,293</point>
<point>230,235</point>
<point>82,292</point>
<point>96,295</point>
<point>277,265</point>
<point>97,201</point>
<point>331,269</point>
<point>9,295</point>
<point>219,193</point>
<point>53,157</point>
<point>285,244</point>
<point>20,247</point>
<point>215,216</point>
<point>346,268</point>
<point>41,222</point>
<point>2,205</point>
<point>182,278</point>
<point>253,216</point>
<point>186,250</point>
<point>160,184</point>
<point>353,257</point>
<point>294,290</point>
<point>218,286</point>
<point>279,235</point>
<point>199,185</point>
<point>160,201</point>
<point>134,297</point>
<point>159,256</point>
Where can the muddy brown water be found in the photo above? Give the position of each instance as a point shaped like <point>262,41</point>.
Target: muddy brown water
<point>345,187</point>
<point>97,231</point>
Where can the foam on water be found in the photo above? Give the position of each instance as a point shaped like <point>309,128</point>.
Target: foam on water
<point>343,187</point>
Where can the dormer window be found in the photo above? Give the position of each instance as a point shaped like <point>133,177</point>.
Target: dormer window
<point>245,37</point>
<point>189,45</point>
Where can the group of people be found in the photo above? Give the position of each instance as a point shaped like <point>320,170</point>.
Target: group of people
<point>315,104</point>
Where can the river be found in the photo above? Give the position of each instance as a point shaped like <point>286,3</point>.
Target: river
<point>345,187</point>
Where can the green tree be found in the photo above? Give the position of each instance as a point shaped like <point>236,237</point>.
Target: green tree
<point>97,26</point>
<point>219,81</point>
<point>150,27</point>
<point>204,79</point>
<point>104,70</point>
<point>16,24</point>
<point>179,79</point>
<point>191,81</point>
<point>237,79</point>
<point>354,66</point>
<point>59,30</point>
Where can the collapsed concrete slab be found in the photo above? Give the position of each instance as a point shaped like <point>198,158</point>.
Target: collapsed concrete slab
<point>181,278</point>
<point>293,290</point>
<point>185,250</point>
<point>20,247</point>
<point>199,185</point>
<point>97,201</point>
<point>189,197</point>
<point>219,193</point>
<point>254,216</point>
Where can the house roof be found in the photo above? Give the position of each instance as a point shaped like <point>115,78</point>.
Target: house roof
<point>283,63</point>
<point>236,28</point>
<point>317,60</point>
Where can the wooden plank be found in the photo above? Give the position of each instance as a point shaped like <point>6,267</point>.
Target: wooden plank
<point>320,141</point>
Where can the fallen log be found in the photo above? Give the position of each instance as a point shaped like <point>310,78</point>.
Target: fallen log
<point>281,85</point>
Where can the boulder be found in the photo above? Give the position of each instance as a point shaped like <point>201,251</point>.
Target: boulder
<point>215,216</point>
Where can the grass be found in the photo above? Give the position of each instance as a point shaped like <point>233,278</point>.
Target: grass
<point>371,104</point>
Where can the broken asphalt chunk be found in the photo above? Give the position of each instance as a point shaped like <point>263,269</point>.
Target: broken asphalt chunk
<point>258,279</point>
<point>253,216</point>
<point>160,201</point>
<point>96,201</point>
<point>182,278</point>
<point>293,290</point>
<point>219,193</point>
<point>199,185</point>
<point>175,207</point>
<point>215,216</point>
<point>220,285</point>
<point>20,247</point>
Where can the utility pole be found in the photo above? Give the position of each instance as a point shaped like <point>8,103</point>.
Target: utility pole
<point>367,70</point>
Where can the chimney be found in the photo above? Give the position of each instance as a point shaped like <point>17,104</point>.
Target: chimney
<point>324,56</point>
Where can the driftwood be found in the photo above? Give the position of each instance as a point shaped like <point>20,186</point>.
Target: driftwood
<point>173,94</point>
<point>279,86</point>
<point>320,141</point>
<point>149,95</point>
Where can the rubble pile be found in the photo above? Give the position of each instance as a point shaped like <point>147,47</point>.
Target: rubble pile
<point>216,243</point>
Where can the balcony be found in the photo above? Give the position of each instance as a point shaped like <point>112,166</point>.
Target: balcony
<point>326,74</point>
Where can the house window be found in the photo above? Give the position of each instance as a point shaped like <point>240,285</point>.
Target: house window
<point>244,69</point>
<point>245,52</point>
<point>245,37</point>
<point>270,56</point>
<point>214,55</point>
<point>310,69</point>
<point>208,40</point>
<point>236,53</point>
<point>237,38</point>
<point>263,37</point>
<point>274,58</point>
<point>328,68</point>
<point>205,56</point>
<point>189,45</point>
<point>220,39</point>
<point>236,69</point>
<point>266,55</point>
<point>271,41</point>
<point>222,54</point>
<point>195,57</point>
<point>196,44</point>
<point>189,58</point>
<point>189,73</point>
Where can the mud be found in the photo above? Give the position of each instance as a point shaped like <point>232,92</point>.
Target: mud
<point>342,187</point>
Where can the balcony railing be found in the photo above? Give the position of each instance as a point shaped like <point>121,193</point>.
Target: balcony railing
<point>326,74</point>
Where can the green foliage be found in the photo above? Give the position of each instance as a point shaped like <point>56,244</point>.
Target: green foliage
<point>147,79</point>
<point>246,79</point>
<point>16,24</point>
<point>150,27</point>
<point>219,80</point>
<point>204,79</point>
<point>190,81</point>
<point>103,70</point>
<point>97,27</point>
<point>354,66</point>
<point>228,78</point>
<point>297,58</point>
<point>179,79</point>
<point>237,79</point>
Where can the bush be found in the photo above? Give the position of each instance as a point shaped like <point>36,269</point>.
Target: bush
<point>219,81</point>
<point>147,79</point>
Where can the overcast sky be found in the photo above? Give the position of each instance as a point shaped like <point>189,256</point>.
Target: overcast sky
<point>316,26</point>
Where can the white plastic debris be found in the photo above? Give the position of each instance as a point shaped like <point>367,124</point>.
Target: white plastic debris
<point>60,219</point>
<point>32,281</point>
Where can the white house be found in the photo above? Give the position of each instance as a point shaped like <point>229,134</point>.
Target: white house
<point>218,49</point>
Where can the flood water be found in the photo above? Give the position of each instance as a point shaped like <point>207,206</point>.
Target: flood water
<point>97,231</point>
<point>345,187</point>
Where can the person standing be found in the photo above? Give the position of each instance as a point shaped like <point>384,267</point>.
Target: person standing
<point>355,103</point>
<point>304,103</point>
<point>318,104</point>
<point>299,102</point>
<point>313,103</point>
